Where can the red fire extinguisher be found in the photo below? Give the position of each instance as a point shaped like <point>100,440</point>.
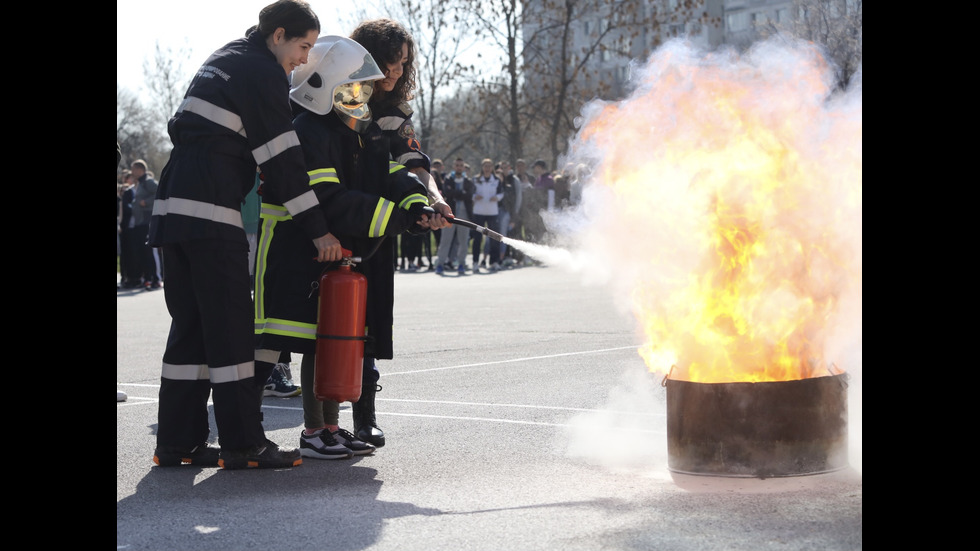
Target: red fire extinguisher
<point>340,332</point>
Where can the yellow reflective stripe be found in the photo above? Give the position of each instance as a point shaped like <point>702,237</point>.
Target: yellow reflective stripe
<point>269,216</point>
<point>275,146</point>
<point>274,212</point>
<point>323,175</point>
<point>289,328</point>
<point>394,167</point>
<point>302,203</point>
<point>185,372</point>
<point>382,214</point>
<point>198,209</point>
<point>196,372</point>
<point>412,199</point>
<point>213,113</point>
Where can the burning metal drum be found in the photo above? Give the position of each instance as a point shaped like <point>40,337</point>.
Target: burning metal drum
<point>766,429</point>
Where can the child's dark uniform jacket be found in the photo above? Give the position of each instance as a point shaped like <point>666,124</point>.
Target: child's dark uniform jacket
<point>367,200</point>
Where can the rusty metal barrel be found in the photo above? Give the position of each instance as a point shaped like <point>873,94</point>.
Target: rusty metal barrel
<point>764,429</point>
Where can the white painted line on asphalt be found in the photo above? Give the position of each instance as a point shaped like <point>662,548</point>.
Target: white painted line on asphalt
<point>513,421</point>
<point>482,404</point>
<point>133,399</point>
<point>529,358</point>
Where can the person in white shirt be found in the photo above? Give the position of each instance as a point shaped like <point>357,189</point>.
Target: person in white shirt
<point>486,208</point>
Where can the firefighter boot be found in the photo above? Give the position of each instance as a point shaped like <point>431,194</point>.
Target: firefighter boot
<point>365,423</point>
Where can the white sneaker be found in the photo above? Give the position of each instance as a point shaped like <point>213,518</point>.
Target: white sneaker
<point>121,396</point>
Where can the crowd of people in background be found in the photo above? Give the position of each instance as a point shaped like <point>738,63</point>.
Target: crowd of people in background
<point>504,197</point>
<point>140,266</point>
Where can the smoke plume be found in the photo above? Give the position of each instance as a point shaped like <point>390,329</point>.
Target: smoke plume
<point>721,201</point>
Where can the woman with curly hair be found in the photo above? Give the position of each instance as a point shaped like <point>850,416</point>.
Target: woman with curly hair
<point>393,48</point>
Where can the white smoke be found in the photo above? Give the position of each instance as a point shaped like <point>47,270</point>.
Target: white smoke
<point>646,246</point>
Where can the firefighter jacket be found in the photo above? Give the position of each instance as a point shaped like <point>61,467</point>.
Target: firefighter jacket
<point>235,116</point>
<point>395,122</point>
<point>366,198</point>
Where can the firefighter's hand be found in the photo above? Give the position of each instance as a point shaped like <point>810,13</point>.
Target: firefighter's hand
<point>328,248</point>
<point>438,219</point>
<point>418,218</point>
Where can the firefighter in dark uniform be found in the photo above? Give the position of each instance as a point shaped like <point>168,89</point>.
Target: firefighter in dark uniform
<point>393,49</point>
<point>235,116</point>
<point>368,200</point>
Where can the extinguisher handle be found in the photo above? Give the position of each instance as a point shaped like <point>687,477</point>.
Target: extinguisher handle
<point>349,259</point>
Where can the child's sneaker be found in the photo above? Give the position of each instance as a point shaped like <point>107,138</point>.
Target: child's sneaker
<point>358,447</point>
<point>322,445</point>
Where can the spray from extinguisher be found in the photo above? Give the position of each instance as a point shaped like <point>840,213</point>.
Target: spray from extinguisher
<point>340,332</point>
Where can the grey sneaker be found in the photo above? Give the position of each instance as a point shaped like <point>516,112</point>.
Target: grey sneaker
<point>358,447</point>
<point>322,445</point>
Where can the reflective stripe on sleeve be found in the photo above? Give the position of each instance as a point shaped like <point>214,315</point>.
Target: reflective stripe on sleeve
<point>412,199</point>
<point>382,214</point>
<point>275,146</point>
<point>410,156</point>
<point>213,113</point>
<point>390,123</point>
<point>302,203</point>
<point>198,209</point>
<point>394,167</point>
<point>323,175</point>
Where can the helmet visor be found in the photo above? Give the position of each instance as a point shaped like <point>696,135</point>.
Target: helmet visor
<point>352,98</point>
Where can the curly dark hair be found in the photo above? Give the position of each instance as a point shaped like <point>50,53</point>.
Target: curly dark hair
<point>383,39</point>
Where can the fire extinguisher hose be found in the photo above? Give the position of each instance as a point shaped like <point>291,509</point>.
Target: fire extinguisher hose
<point>471,225</point>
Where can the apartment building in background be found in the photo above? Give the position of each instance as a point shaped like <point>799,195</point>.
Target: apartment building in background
<point>707,23</point>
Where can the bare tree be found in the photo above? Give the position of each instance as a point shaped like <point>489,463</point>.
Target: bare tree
<point>166,80</point>
<point>141,125</point>
<point>575,50</point>
<point>138,133</point>
<point>836,25</point>
<point>500,23</point>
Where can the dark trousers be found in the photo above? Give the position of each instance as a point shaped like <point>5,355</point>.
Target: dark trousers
<point>129,266</point>
<point>144,261</point>
<point>494,247</point>
<point>210,349</point>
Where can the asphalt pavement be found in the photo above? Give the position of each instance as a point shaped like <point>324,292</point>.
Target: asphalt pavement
<point>518,415</point>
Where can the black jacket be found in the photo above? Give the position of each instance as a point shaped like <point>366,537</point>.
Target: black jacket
<point>234,117</point>
<point>452,192</point>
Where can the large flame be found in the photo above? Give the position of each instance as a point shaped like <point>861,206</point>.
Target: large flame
<point>737,181</point>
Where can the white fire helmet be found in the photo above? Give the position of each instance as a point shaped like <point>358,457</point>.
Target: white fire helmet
<point>339,74</point>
